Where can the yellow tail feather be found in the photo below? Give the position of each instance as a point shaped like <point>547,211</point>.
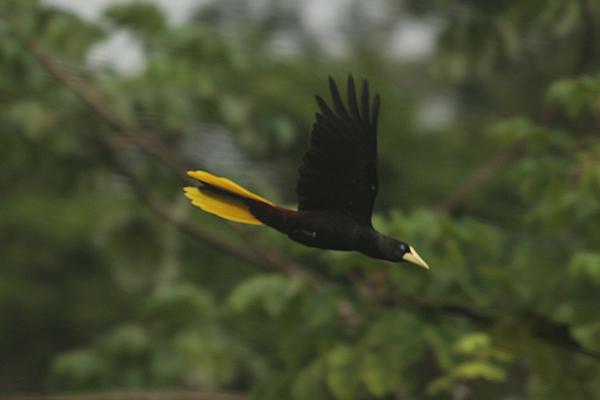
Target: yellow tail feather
<point>221,205</point>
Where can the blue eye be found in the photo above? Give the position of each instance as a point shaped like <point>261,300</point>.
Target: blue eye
<point>404,248</point>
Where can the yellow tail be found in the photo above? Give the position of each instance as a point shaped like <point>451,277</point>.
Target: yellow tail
<point>227,202</point>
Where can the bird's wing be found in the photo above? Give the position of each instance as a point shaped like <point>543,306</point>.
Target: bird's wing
<point>339,170</point>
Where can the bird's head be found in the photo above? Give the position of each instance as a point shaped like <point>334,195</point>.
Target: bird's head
<point>406,252</point>
<point>411,255</point>
<point>392,249</point>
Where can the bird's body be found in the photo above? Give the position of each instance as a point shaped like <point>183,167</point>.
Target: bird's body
<point>336,188</point>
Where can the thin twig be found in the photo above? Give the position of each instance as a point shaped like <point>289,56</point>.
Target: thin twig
<point>485,172</point>
<point>100,107</point>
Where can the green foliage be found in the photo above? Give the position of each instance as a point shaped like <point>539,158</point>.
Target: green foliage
<point>587,265</point>
<point>477,361</point>
<point>272,292</point>
<point>98,293</point>
<point>79,370</point>
<point>390,348</point>
<point>484,38</point>
<point>144,18</point>
<point>576,94</point>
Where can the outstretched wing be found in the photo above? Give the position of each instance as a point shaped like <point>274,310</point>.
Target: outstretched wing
<point>339,170</point>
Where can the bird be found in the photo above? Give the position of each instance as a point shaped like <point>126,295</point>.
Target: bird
<point>336,188</point>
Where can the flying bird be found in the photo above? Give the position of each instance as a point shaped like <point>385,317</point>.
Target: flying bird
<point>336,188</point>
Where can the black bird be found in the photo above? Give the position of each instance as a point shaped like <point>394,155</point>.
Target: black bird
<point>336,188</point>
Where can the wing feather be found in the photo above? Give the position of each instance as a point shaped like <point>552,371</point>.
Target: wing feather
<point>339,170</point>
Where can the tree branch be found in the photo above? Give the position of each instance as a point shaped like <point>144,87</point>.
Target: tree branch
<point>256,254</point>
<point>541,327</point>
<point>99,106</point>
<point>485,172</point>
<point>480,177</point>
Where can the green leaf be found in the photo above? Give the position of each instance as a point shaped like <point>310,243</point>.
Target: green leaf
<point>381,371</point>
<point>301,343</point>
<point>575,94</point>
<point>440,343</point>
<point>253,290</point>
<point>235,109</point>
<point>587,264</point>
<point>467,371</point>
<point>180,306</point>
<point>285,131</point>
<point>208,358</point>
<point>309,383</point>
<point>321,306</point>
<point>481,361</point>
<point>588,335</point>
<point>277,387</point>
<point>480,369</point>
<point>281,293</point>
<point>141,16</point>
<point>343,372</point>
<point>515,129</point>
<point>570,19</point>
<point>125,343</point>
<point>32,116</point>
<point>472,343</point>
<point>80,369</point>
<point>392,344</point>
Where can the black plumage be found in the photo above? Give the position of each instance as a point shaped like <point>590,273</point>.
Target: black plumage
<point>336,188</point>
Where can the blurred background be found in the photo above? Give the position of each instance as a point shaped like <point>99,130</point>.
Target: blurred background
<point>113,286</point>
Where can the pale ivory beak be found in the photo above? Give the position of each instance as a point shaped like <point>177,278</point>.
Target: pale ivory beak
<point>415,258</point>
